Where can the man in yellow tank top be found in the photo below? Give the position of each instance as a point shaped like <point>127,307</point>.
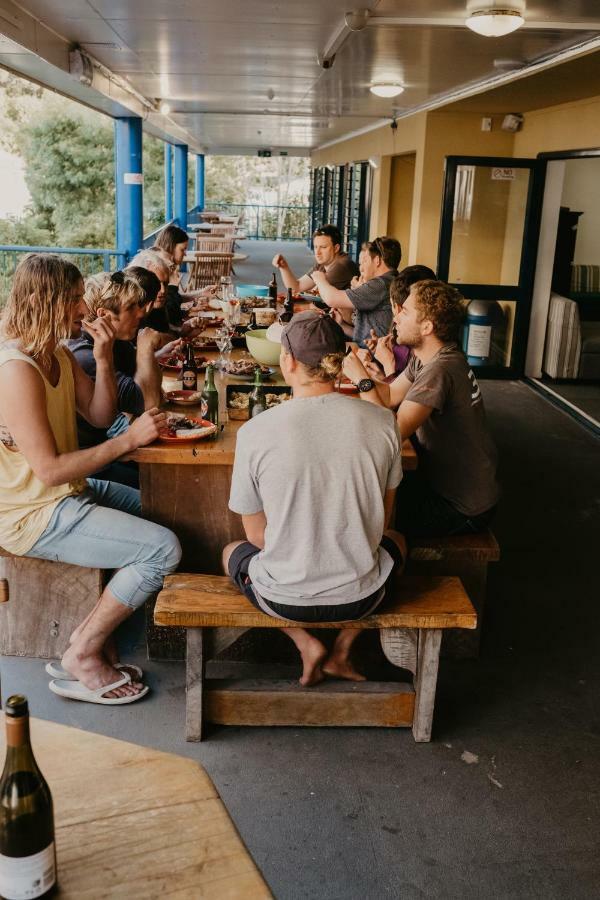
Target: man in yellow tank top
<point>49,509</point>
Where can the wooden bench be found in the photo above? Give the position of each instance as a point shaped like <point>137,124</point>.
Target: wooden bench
<point>410,629</point>
<point>41,602</point>
<point>466,556</point>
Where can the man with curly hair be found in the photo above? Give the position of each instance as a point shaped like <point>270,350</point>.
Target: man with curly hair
<point>440,408</point>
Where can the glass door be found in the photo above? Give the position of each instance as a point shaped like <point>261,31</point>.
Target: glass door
<point>488,242</point>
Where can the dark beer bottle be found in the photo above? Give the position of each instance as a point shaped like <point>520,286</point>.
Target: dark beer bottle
<point>252,326</point>
<point>273,291</point>
<point>189,372</point>
<point>27,854</point>
<point>288,307</point>
<point>211,396</point>
<point>257,401</point>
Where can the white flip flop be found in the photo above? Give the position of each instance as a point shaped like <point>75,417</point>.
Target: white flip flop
<point>75,690</point>
<point>55,670</point>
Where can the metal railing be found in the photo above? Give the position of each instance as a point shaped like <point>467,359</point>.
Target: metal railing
<point>261,222</point>
<point>87,260</point>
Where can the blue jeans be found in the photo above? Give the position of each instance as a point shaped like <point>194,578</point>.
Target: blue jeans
<point>101,528</point>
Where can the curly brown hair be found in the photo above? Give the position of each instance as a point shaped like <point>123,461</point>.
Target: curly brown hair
<point>442,305</point>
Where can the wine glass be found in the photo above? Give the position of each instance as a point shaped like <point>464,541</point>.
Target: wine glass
<point>223,339</point>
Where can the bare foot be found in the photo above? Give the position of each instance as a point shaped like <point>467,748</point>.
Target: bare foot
<point>94,671</point>
<point>313,654</point>
<point>338,667</point>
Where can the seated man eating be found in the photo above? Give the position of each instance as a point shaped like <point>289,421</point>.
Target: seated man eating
<point>314,480</point>
<point>339,269</point>
<point>370,300</point>
<point>440,407</point>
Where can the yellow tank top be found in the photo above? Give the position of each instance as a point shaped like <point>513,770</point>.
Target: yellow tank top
<point>26,503</point>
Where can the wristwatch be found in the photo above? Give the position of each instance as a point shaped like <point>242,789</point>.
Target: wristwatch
<point>365,384</point>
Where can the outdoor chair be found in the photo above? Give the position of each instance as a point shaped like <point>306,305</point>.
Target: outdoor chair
<point>208,268</point>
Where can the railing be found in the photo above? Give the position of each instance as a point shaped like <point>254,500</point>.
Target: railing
<point>262,222</point>
<point>88,261</point>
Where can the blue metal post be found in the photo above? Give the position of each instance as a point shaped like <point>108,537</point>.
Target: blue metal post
<point>129,181</point>
<point>168,182</point>
<point>199,185</point>
<point>181,172</point>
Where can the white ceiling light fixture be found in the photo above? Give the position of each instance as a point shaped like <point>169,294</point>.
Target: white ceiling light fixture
<point>386,88</point>
<point>494,21</point>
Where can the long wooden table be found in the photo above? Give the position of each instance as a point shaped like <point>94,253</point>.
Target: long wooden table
<point>136,824</point>
<point>186,488</point>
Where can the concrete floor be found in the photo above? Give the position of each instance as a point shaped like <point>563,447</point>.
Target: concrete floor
<point>365,813</point>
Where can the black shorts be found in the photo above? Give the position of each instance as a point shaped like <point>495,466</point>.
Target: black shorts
<point>239,562</point>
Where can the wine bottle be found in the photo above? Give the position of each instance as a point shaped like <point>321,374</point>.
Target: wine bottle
<point>257,401</point>
<point>252,326</point>
<point>288,308</point>
<point>27,852</point>
<point>189,372</point>
<point>273,292</point>
<point>210,395</point>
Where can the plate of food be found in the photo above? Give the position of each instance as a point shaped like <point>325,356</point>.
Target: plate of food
<point>244,368</point>
<point>184,398</point>
<point>249,303</point>
<point>172,363</point>
<point>204,343</point>
<point>181,428</point>
<point>238,399</point>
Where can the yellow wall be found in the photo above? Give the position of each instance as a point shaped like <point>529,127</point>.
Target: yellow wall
<point>570,126</point>
<point>400,202</point>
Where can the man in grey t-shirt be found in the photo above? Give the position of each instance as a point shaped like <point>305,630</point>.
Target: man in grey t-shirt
<point>379,261</point>
<point>314,480</point>
<point>440,407</point>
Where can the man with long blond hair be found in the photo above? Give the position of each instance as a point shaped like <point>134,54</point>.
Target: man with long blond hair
<point>49,509</point>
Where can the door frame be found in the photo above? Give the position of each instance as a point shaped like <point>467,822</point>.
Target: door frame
<point>521,293</point>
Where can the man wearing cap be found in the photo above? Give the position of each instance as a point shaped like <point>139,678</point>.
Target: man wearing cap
<point>314,480</point>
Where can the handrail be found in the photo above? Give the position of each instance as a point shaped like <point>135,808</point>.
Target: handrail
<point>89,260</point>
<point>262,221</point>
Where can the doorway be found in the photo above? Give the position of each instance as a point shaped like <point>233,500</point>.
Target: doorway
<point>563,353</point>
<point>402,183</point>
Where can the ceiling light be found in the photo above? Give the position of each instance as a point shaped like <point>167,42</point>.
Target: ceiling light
<point>164,107</point>
<point>386,89</point>
<point>494,21</point>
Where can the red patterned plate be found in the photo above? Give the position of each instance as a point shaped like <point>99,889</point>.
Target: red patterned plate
<point>168,436</point>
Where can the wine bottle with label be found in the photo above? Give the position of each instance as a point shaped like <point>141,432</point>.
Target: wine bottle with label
<point>210,396</point>
<point>189,372</point>
<point>27,852</point>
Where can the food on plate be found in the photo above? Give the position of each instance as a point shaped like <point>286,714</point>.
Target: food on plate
<point>175,361</point>
<point>240,400</point>
<point>179,426</point>
<point>249,303</point>
<point>244,367</point>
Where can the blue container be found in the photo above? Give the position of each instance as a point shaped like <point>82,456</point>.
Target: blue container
<point>483,318</point>
<point>252,290</point>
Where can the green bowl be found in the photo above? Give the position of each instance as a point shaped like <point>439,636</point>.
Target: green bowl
<point>261,348</point>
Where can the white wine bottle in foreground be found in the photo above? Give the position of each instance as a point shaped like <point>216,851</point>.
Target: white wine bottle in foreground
<point>27,853</point>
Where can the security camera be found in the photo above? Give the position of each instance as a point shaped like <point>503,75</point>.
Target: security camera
<point>394,125</point>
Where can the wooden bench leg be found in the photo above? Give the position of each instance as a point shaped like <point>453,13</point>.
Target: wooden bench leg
<point>194,683</point>
<point>425,682</point>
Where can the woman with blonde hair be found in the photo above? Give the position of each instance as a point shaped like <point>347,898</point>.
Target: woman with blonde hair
<point>314,481</point>
<point>49,509</point>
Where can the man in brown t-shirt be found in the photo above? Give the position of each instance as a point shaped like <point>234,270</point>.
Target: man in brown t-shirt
<point>338,267</point>
<point>440,408</point>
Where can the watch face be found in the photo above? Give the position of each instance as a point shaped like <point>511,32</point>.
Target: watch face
<point>365,384</point>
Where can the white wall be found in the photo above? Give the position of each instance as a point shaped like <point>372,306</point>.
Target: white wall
<point>581,192</point>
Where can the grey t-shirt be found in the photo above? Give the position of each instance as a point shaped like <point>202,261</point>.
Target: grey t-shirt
<point>372,304</point>
<point>340,272</point>
<point>456,452</point>
<point>319,468</point>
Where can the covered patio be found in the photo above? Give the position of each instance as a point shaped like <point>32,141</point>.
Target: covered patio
<point>503,802</point>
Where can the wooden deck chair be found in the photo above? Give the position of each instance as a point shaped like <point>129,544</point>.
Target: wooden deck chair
<point>208,268</point>
<point>214,244</point>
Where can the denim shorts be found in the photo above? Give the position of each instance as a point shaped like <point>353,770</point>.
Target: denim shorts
<point>101,528</point>
<point>239,562</point>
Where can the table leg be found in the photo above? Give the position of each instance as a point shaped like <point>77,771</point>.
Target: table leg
<point>425,682</point>
<point>194,683</point>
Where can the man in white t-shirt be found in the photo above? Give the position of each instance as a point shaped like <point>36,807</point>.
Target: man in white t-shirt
<point>314,480</point>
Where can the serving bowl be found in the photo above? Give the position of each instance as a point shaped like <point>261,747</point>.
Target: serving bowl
<point>261,348</point>
<point>252,290</point>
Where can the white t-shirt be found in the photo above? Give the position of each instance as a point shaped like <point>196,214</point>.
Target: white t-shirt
<point>319,468</point>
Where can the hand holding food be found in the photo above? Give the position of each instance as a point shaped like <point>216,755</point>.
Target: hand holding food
<point>144,430</point>
<point>149,340</point>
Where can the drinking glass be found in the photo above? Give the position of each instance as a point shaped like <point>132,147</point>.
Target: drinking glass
<point>223,339</point>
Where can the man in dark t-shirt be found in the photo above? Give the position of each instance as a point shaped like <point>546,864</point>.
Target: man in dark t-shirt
<point>338,268</point>
<point>440,408</point>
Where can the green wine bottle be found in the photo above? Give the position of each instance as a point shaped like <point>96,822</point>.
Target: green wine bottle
<point>27,852</point>
<point>210,395</point>
<point>257,401</point>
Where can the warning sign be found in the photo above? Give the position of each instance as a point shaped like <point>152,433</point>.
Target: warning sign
<point>503,173</point>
